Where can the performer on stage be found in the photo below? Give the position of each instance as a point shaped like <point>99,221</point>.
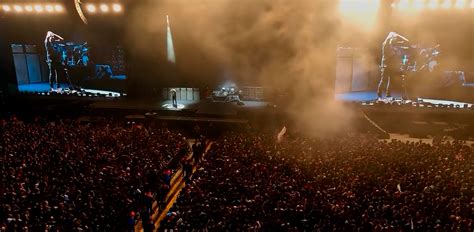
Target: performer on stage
<point>173,97</point>
<point>391,60</point>
<point>53,58</point>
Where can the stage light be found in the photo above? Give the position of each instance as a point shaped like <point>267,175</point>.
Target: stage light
<point>104,8</point>
<point>357,5</point>
<point>6,8</point>
<point>433,4</point>
<point>18,8</point>
<point>459,4</point>
<point>117,7</point>
<point>91,8</point>
<point>58,8</point>
<point>39,8</point>
<point>403,5</point>
<point>361,13</point>
<point>446,4</point>
<point>28,8</point>
<point>418,4</point>
<point>49,8</point>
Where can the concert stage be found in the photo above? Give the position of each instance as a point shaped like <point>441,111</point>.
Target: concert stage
<point>362,96</point>
<point>202,107</point>
<point>418,120</point>
<point>371,97</point>
<point>44,88</point>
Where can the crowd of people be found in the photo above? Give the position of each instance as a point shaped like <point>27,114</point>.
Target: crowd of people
<point>70,176</point>
<point>248,182</point>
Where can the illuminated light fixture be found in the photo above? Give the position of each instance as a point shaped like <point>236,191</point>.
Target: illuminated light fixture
<point>361,13</point>
<point>459,4</point>
<point>58,8</point>
<point>18,8</point>
<point>117,7</point>
<point>104,8</point>
<point>433,4</point>
<point>29,8</point>
<point>49,8</point>
<point>6,8</point>
<point>39,8</point>
<point>446,4</point>
<point>403,5</point>
<point>91,8</point>
<point>472,3</point>
<point>418,4</point>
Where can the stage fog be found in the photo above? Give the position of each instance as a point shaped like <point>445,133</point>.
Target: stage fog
<point>263,43</point>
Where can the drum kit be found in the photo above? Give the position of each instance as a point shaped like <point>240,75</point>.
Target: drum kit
<point>412,58</point>
<point>227,94</point>
<point>416,58</point>
<point>72,55</point>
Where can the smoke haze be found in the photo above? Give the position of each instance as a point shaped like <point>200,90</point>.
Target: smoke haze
<point>286,45</point>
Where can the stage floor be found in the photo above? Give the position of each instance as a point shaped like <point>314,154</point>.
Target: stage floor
<point>44,87</point>
<point>363,96</point>
<point>371,96</point>
<point>205,106</point>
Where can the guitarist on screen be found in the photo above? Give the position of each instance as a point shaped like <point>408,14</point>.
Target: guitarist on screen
<point>390,63</point>
<point>53,58</point>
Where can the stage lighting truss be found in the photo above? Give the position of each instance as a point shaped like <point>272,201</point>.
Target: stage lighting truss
<point>85,8</point>
<point>360,13</point>
<point>57,7</point>
<point>103,8</point>
<point>24,7</point>
<point>416,5</point>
